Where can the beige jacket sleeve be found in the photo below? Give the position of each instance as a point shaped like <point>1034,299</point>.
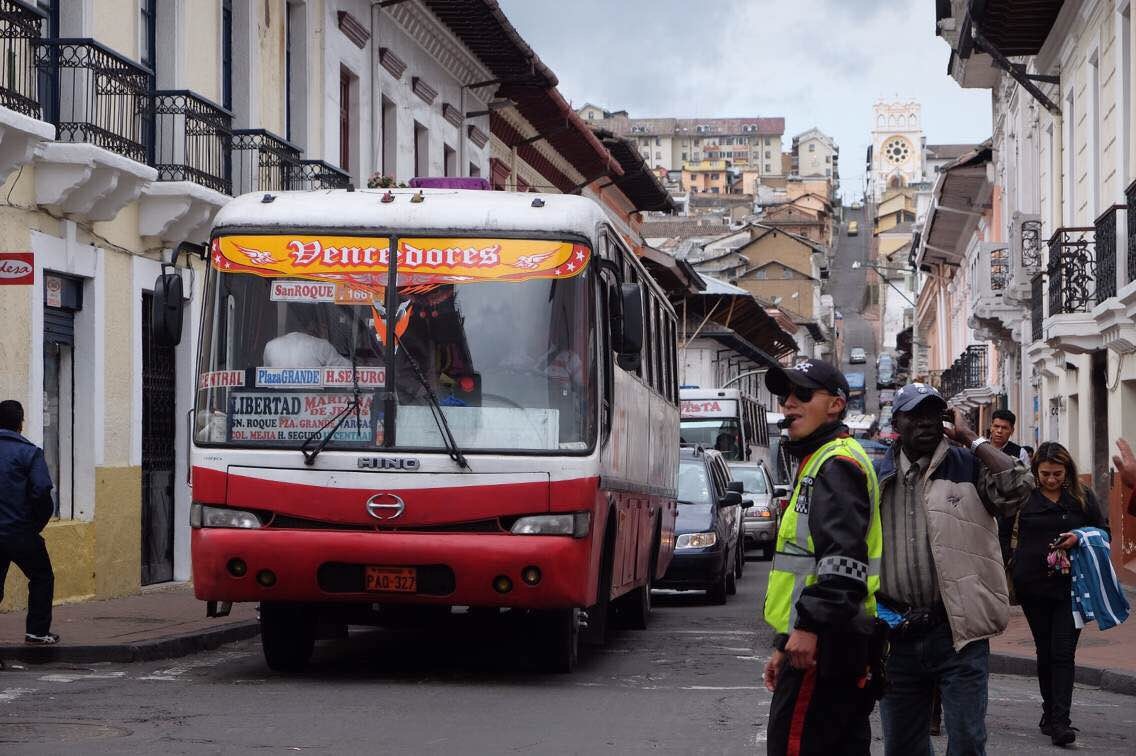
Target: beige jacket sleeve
<point>1005,492</point>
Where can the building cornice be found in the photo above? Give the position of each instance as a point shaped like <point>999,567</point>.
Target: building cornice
<point>439,42</point>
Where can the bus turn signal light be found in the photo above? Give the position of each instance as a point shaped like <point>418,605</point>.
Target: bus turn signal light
<point>502,584</point>
<point>531,575</point>
<point>237,567</point>
<point>266,578</point>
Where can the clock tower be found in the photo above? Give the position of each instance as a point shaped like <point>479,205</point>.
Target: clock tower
<point>897,146</point>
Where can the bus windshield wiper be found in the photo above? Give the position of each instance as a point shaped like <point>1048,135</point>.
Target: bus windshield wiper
<point>340,417</point>
<point>436,410</point>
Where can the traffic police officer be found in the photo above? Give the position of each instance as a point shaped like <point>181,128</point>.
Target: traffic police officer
<point>821,594</point>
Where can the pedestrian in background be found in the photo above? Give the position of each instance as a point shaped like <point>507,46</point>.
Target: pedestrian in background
<point>1001,429</point>
<point>25,508</point>
<point>1126,465</point>
<point>821,594</point>
<point>1042,581</point>
<point>942,579</point>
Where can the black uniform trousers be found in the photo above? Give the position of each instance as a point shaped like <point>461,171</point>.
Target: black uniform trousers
<point>29,553</point>
<point>818,715</point>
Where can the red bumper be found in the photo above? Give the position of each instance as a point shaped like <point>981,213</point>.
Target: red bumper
<point>296,559</point>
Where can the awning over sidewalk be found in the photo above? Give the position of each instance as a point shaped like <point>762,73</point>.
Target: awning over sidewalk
<point>738,310</point>
<point>960,197</point>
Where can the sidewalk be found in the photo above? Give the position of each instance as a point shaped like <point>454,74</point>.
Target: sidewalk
<point>1104,659</point>
<point>161,622</point>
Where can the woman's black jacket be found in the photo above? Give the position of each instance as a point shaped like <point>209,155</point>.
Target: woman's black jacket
<point>1042,521</point>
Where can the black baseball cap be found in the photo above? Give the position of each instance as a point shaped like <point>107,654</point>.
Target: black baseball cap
<point>812,374</point>
<point>913,394</point>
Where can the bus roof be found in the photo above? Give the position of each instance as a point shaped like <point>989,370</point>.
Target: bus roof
<point>440,211</point>
<point>707,393</point>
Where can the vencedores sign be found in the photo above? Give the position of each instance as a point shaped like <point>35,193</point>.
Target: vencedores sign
<point>17,269</point>
<point>362,262</point>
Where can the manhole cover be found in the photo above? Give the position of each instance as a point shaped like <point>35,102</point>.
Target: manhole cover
<point>57,732</point>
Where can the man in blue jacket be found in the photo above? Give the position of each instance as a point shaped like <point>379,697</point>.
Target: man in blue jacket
<point>25,508</point>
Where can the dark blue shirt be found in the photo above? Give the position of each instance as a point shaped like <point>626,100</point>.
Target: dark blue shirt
<point>25,486</point>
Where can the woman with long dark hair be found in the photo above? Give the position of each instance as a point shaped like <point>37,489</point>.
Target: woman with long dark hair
<point>1042,583</point>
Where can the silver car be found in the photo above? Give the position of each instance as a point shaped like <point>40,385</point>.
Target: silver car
<point>759,525</point>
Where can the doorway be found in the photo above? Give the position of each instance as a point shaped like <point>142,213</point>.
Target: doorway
<point>1099,381</point>
<point>159,428</point>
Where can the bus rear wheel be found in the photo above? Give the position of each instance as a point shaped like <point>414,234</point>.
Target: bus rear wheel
<point>287,636</point>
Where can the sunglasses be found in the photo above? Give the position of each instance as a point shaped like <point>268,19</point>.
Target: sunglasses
<point>804,395</point>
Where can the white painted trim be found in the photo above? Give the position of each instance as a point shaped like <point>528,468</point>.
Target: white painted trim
<point>84,261</point>
<point>144,272</point>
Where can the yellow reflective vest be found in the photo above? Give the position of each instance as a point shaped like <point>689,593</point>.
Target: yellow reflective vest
<point>795,565</point>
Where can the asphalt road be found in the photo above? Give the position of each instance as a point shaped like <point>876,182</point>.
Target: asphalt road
<point>689,684</point>
<point>847,287</point>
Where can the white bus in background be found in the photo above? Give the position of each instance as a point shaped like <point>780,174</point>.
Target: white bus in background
<point>727,420</point>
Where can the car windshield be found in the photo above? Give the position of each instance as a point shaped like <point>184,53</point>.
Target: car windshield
<point>720,434</point>
<point>507,349</point>
<point>752,479</point>
<point>693,483</point>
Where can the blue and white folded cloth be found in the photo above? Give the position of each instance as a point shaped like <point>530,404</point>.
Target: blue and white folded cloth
<point>1097,595</point>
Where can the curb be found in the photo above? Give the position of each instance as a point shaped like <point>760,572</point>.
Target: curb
<point>1108,680</point>
<point>148,650</point>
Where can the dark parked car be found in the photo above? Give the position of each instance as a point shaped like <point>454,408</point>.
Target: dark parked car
<point>707,533</point>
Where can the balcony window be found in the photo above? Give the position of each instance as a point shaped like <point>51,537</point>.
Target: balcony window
<point>193,140</point>
<point>1037,305</point>
<point>100,97</point>
<point>1105,238</point>
<point>1072,285</point>
<point>227,54</point>
<point>19,32</point>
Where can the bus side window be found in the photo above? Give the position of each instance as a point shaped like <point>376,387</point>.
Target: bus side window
<point>660,347</point>
<point>672,348</point>
<point>650,375</point>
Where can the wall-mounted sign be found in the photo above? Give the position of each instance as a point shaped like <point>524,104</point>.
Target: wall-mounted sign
<point>17,269</point>
<point>53,291</point>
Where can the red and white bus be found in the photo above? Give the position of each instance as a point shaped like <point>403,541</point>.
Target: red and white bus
<point>431,397</point>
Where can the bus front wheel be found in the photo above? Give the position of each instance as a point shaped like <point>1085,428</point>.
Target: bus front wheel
<point>287,636</point>
<point>561,636</point>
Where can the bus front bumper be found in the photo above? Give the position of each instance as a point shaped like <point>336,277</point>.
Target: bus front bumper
<point>330,567</point>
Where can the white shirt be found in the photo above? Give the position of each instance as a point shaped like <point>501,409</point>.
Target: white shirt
<point>300,350</point>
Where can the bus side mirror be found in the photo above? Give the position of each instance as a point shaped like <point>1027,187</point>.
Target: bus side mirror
<point>630,340</point>
<point>166,309</point>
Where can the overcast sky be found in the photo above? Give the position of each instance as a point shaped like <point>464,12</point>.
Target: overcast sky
<point>815,62</point>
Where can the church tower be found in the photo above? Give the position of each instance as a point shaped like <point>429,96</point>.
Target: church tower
<point>897,146</point>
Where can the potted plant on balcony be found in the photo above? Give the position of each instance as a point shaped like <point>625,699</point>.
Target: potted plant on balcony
<point>379,181</point>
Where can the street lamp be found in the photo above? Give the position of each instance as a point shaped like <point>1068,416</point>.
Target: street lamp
<point>856,265</point>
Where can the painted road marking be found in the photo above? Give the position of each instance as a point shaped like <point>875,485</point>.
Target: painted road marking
<point>11,694</point>
<point>70,677</point>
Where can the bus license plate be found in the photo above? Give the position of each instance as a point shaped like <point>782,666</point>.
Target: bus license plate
<point>390,579</point>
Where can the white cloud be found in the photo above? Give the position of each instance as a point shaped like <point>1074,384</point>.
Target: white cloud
<point>816,62</point>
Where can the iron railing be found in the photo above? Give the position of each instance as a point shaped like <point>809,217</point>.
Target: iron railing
<point>1037,305</point>
<point>19,33</point>
<point>968,371</point>
<point>1130,200</point>
<point>193,140</point>
<point>1031,244</point>
<point>1072,287</point>
<point>317,174</point>
<point>98,96</point>
<point>262,161</point>
<point>999,269</point>
<point>1105,242</point>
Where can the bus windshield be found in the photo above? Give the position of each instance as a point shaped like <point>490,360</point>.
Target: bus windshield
<point>507,349</point>
<point>723,434</point>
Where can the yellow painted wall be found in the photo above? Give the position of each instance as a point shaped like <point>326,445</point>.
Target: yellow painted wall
<point>99,559</point>
<point>116,26</point>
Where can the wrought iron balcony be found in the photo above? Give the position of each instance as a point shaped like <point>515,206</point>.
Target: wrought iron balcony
<point>1030,241</point>
<point>1130,199</point>
<point>1037,305</point>
<point>19,33</point>
<point>317,174</point>
<point>193,140</point>
<point>966,373</point>
<point>1072,283</point>
<point>262,161</point>
<point>94,95</point>
<point>1105,238</point>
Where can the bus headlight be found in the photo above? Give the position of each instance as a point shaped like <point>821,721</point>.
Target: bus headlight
<point>201,516</point>
<point>575,525</point>
<point>696,540</point>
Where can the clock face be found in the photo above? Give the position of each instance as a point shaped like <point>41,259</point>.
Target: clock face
<point>897,150</point>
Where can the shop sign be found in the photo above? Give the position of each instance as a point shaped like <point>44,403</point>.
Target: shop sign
<point>17,269</point>
<point>53,291</point>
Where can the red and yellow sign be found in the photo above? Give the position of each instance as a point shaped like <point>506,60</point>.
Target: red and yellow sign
<point>363,261</point>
